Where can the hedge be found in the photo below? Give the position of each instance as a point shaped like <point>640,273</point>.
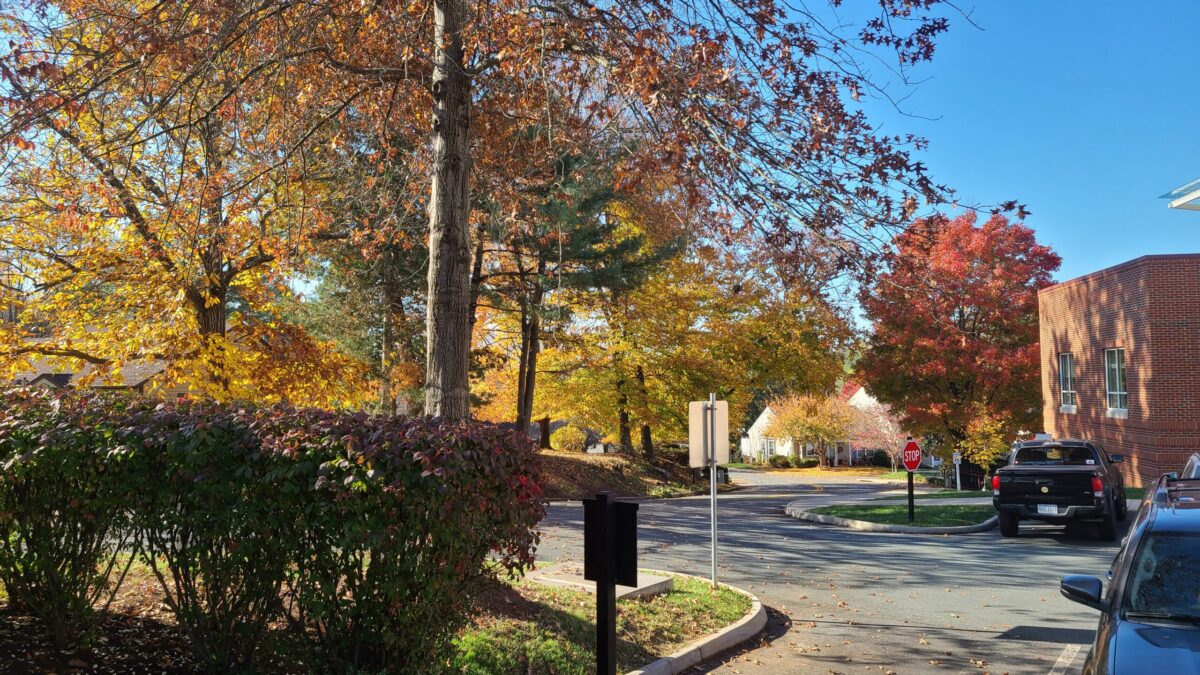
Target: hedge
<point>366,534</point>
<point>569,439</point>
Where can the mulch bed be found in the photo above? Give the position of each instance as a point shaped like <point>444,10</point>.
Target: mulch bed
<point>127,644</point>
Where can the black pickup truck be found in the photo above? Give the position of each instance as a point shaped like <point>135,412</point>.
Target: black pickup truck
<point>1058,481</point>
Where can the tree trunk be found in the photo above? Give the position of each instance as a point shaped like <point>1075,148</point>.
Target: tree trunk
<point>529,358</point>
<point>626,438</point>
<point>531,338</point>
<point>448,321</point>
<point>476,274</point>
<point>522,363</point>
<point>647,441</point>
<point>387,404</point>
<point>544,436</point>
<point>211,319</point>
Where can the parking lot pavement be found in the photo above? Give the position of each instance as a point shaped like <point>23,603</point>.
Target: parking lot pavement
<point>843,601</point>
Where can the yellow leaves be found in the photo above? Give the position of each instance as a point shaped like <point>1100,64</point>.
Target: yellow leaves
<point>811,418</point>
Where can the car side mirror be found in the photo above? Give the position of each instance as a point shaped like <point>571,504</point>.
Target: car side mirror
<point>1083,589</point>
<point>1117,459</point>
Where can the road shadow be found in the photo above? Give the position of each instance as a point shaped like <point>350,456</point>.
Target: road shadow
<point>1065,636</point>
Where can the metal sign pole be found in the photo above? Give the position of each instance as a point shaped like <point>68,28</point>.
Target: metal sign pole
<point>606,590</point>
<point>712,458</point>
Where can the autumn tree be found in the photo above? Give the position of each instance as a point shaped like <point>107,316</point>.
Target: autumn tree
<point>875,427</point>
<point>706,321</point>
<point>157,202</point>
<point>955,325</point>
<point>753,101</point>
<point>988,438</point>
<point>372,307</point>
<point>811,419</point>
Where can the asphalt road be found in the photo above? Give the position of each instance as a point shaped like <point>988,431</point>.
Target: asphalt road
<point>842,601</point>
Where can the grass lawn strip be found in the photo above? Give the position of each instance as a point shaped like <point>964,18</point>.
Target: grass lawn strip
<point>524,627</point>
<point>936,515</point>
<point>918,479</point>
<point>944,494</point>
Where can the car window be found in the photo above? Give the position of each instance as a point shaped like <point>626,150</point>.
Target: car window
<point>1054,454</point>
<point>1192,468</point>
<point>1165,576</point>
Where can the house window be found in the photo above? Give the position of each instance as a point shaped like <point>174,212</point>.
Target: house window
<point>1114,378</point>
<point>768,446</point>
<point>1066,378</point>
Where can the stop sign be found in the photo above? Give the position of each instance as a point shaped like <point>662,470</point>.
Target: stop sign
<point>912,455</point>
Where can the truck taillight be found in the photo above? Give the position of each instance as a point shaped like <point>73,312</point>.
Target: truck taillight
<point>1097,486</point>
<point>996,484</point>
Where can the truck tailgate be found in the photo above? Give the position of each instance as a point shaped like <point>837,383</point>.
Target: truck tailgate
<point>1063,485</point>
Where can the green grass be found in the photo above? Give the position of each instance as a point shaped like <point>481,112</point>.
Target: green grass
<point>903,476</point>
<point>937,515</point>
<point>944,494</point>
<point>549,630</point>
<point>1135,492</point>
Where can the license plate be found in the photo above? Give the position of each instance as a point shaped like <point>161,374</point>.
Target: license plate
<point>1051,509</point>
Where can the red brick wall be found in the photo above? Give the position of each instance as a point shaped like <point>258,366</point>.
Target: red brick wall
<point>1150,307</point>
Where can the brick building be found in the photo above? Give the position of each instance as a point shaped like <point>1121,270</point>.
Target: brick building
<point>1120,355</point>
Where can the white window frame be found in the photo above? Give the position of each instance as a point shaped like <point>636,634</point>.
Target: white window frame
<point>1068,397</point>
<point>1116,399</point>
<point>768,446</point>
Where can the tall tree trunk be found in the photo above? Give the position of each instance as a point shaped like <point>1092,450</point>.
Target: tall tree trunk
<point>531,358</point>
<point>522,364</point>
<point>476,273</point>
<point>448,321</point>
<point>387,404</point>
<point>210,315</point>
<point>626,438</point>
<point>530,346</point>
<point>647,441</point>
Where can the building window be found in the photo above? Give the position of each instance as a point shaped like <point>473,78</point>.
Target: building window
<point>768,446</point>
<point>1066,378</point>
<point>1114,378</point>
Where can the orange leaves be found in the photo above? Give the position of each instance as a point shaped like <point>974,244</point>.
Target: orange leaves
<point>955,321</point>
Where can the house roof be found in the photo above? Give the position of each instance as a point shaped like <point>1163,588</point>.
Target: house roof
<point>128,375</point>
<point>849,389</point>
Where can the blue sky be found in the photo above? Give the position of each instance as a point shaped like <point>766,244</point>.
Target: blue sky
<point>1085,111</point>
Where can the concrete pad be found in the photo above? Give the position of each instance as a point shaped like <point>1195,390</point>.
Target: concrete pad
<point>570,575</point>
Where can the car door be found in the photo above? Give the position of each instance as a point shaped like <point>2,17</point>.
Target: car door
<point>1116,480</point>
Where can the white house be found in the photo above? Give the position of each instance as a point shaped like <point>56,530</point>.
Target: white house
<point>758,446</point>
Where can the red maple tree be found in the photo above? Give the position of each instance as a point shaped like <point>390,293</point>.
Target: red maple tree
<point>956,325</point>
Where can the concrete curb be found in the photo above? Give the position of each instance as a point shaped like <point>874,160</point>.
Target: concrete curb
<point>707,647</point>
<point>796,511</point>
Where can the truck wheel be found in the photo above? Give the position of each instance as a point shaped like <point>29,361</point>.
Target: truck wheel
<point>1108,524</point>
<point>1122,507</point>
<point>1009,524</point>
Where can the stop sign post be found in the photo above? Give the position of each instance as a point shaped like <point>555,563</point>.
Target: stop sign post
<point>912,460</point>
